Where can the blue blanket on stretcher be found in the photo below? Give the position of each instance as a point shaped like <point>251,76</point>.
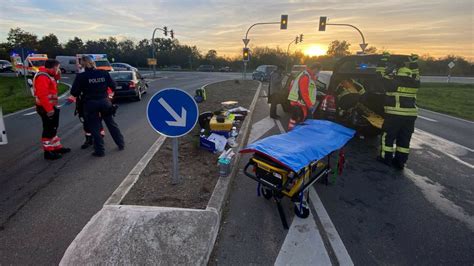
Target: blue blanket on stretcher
<point>307,142</point>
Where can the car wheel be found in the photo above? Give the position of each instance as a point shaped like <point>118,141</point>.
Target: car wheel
<point>146,89</point>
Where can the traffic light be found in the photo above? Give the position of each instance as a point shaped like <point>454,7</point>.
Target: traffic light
<point>284,22</point>
<point>296,40</point>
<point>172,34</point>
<point>246,54</point>
<point>322,23</point>
<point>165,31</point>
<point>301,37</point>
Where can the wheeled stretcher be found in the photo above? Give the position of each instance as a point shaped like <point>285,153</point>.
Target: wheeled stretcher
<point>287,165</point>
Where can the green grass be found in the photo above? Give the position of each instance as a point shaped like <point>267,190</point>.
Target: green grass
<point>14,96</point>
<point>448,98</point>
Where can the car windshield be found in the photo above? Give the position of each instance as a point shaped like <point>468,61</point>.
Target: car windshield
<point>270,69</point>
<point>121,76</point>
<point>37,63</point>
<point>102,63</point>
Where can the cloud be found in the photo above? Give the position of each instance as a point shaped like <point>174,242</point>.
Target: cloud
<point>438,27</point>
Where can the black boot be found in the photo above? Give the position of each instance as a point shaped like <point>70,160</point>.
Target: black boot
<point>87,143</point>
<point>49,155</point>
<point>63,150</point>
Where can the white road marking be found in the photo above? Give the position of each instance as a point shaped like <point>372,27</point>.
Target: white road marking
<point>426,118</point>
<point>449,148</point>
<point>260,128</point>
<point>433,193</point>
<point>449,116</point>
<point>303,245</point>
<point>335,240</point>
<point>30,113</point>
<point>280,126</point>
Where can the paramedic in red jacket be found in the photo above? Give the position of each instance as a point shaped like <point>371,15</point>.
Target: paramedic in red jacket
<point>45,88</point>
<point>302,95</point>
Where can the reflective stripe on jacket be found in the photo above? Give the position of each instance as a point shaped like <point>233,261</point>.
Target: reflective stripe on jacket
<point>400,96</point>
<point>295,94</point>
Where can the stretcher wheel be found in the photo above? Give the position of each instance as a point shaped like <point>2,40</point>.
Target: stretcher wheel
<point>267,193</point>
<point>303,212</point>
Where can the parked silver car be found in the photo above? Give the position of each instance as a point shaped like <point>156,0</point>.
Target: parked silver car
<point>123,67</point>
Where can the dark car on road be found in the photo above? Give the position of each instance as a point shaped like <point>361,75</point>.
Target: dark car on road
<point>225,69</point>
<point>5,66</point>
<point>206,68</point>
<point>263,72</point>
<point>130,84</point>
<point>354,110</point>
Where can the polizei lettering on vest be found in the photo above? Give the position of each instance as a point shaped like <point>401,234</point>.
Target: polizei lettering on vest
<point>96,80</point>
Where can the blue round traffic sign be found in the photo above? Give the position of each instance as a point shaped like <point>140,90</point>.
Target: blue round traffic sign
<point>172,112</point>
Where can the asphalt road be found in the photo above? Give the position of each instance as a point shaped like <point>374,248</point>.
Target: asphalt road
<point>43,205</point>
<point>422,215</point>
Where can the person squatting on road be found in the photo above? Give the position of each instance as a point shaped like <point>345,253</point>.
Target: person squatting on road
<point>401,87</point>
<point>302,95</point>
<point>45,90</point>
<point>92,85</point>
<point>276,93</point>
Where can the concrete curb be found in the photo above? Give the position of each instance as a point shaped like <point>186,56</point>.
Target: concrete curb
<point>95,242</point>
<point>221,190</point>
<point>31,108</point>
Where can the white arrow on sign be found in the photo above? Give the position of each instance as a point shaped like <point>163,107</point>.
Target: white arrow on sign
<point>246,41</point>
<point>363,46</point>
<point>180,120</point>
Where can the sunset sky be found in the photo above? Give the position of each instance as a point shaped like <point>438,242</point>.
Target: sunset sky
<point>434,27</point>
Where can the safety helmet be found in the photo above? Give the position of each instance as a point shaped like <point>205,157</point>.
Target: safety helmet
<point>413,58</point>
<point>404,72</point>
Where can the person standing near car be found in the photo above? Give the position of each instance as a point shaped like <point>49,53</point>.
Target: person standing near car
<point>400,114</point>
<point>92,85</point>
<point>302,95</point>
<point>275,91</point>
<point>45,89</point>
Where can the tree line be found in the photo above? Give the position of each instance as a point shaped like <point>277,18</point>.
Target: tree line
<point>171,52</point>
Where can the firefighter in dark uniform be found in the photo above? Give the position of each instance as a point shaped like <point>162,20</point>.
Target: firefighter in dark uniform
<point>92,85</point>
<point>400,114</point>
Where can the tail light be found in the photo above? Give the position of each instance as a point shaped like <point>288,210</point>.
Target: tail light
<point>329,103</point>
<point>132,84</point>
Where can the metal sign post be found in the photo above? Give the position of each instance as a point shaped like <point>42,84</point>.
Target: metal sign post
<point>3,132</point>
<point>173,113</point>
<point>451,66</point>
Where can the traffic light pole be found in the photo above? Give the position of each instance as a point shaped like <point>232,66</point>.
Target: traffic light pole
<point>363,45</point>
<point>288,55</point>
<point>153,48</point>
<point>246,38</point>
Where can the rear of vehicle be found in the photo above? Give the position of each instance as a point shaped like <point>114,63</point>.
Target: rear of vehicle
<point>68,63</point>
<point>5,66</point>
<point>100,60</point>
<point>361,112</point>
<point>129,84</point>
<point>30,66</point>
<point>263,72</point>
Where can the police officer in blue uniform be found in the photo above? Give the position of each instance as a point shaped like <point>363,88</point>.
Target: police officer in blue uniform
<point>92,85</point>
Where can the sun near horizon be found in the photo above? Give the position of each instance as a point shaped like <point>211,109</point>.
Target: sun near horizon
<point>315,50</point>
